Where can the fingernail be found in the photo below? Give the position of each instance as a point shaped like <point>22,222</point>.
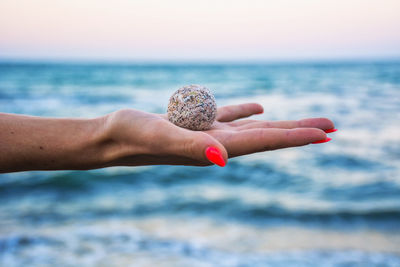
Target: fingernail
<point>215,156</point>
<point>261,112</point>
<point>322,141</point>
<point>331,130</point>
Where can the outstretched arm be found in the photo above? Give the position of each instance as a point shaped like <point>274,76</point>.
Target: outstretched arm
<point>132,138</point>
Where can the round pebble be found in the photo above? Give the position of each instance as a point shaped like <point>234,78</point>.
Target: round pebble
<point>192,107</point>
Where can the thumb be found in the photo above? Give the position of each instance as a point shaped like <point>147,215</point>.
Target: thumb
<point>205,148</point>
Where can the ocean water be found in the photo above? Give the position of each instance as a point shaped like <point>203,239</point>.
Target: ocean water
<point>334,204</point>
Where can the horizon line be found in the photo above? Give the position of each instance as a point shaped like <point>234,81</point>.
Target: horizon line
<point>371,59</point>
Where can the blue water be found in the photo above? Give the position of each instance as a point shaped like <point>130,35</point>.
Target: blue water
<point>334,204</point>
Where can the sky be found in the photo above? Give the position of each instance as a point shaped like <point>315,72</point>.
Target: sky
<point>199,30</point>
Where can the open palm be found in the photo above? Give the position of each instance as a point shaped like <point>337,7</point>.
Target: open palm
<point>149,139</point>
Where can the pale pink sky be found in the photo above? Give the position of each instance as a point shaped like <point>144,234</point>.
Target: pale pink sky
<point>199,30</point>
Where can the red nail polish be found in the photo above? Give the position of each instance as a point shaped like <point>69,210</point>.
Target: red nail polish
<point>331,130</point>
<point>261,112</point>
<point>322,141</point>
<point>215,156</point>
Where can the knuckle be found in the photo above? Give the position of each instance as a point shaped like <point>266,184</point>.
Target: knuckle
<point>266,124</point>
<point>191,146</point>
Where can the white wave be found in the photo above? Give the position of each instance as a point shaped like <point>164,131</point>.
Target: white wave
<point>182,241</point>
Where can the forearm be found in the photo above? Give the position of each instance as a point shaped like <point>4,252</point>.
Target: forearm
<point>33,143</point>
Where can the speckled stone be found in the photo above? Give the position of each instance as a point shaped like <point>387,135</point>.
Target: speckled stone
<point>192,107</point>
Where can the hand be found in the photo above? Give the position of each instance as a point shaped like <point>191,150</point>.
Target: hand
<point>141,138</point>
<point>131,138</point>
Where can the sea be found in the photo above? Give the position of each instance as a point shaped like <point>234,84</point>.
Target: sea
<point>331,204</point>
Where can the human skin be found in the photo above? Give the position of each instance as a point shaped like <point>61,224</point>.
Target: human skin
<point>131,137</point>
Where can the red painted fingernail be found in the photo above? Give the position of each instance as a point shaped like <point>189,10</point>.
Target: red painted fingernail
<point>261,112</point>
<point>331,130</point>
<point>322,141</point>
<point>215,156</point>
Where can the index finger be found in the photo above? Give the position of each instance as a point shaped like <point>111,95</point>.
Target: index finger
<point>321,123</point>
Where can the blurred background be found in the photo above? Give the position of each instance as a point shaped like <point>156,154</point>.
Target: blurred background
<point>334,204</point>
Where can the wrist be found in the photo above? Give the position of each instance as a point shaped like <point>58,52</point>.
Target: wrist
<point>106,149</point>
<point>126,137</point>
